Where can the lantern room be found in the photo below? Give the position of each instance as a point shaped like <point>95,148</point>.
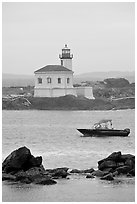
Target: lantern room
<point>66,57</point>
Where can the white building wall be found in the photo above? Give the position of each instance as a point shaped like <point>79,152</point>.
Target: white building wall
<point>67,63</point>
<point>54,77</point>
<point>55,92</point>
<point>38,92</point>
<point>71,91</point>
<point>63,92</point>
<point>54,89</point>
<point>85,91</point>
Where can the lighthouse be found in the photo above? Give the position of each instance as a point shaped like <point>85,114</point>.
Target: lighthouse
<point>57,80</point>
<point>66,57</point>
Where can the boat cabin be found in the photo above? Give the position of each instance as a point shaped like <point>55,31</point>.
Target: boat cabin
<point>103,124</point>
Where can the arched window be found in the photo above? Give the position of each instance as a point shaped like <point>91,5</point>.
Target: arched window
<point>68,80</point>
<point>49,80</point>
<point>39,80</point>
<point>59,80</point>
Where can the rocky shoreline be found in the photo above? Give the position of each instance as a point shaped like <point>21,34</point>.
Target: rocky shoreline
<point>21,166</point>
<point>66,103</point>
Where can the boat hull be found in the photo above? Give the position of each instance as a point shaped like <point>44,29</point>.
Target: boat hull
<point>104,132</point>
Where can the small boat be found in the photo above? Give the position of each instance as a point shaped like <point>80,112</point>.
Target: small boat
<point>104,128</point>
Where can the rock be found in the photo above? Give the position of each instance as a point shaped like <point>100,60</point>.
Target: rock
<point>124,157</point>
<point>120,164</point>
<point>16,160</point>
<point>107,170</point>
<point>56,169</point>
<point>58,172</point>
<point>32,174</point>
<point>97,173</point>
<point>132,172</point>
<point>34,171</point>
<point>42,169</point>
<point>130,163</point>
<point>34,162</point>
<point>22,166</point>
<point>45,181</point>
<point>123,169</point>
<point>8,177</point>
<point>107,164</point>
<point>21,175</point>
<point>20,159</point>
<point>25,180</point>
<point>108,177</point>
<point>101,161</point>
<point>75,171</point>
<point>115,173</point>
<point>129,175</point>
<point>115,156</point>
<point>88,170</point>
<point>90,176</point>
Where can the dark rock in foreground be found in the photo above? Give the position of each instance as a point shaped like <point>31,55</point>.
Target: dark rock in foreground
<point>90,176</point>
<point>107,164</point>
<point>108,177</point>
<point>118,164</point>
<point>45,181</point>
<point>22,166</point>
<point>98,173</point>
<point>58,172</point>
<point>20,159</point>
<point>8,177</point>
<point>85,171</point>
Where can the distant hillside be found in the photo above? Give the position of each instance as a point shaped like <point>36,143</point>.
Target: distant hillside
<point>17,80</point>
<point>25,80</point>
<point>100,76</point>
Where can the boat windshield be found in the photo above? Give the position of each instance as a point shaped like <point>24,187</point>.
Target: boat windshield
<point>103,124</point>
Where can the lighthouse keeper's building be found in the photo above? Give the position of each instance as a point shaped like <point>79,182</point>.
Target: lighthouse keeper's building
<point>57,80</point>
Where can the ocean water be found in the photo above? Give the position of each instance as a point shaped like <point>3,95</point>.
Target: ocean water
<point>53,135</point>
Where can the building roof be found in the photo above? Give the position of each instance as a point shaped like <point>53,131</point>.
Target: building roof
<point>50,68</point>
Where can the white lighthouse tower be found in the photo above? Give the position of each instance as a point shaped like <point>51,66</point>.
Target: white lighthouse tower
<point>66,58</point>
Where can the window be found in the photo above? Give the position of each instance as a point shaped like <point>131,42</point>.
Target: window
<point>68,80</point>
<point>39,80</point>
<point>59,80</point>
<point>49,80</point>
<point>61,62</point>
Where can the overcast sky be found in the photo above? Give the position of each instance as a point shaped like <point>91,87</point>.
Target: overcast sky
<point>100,36</point>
